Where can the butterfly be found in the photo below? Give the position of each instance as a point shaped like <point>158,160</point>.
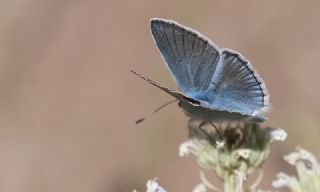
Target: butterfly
<point>217,84</point>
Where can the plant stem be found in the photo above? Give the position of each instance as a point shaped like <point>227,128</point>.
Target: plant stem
<point>233,184</point>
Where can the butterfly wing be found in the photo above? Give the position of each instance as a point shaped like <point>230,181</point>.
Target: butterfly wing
<point>236,86</point>
<point>219,79</point>
<point>191,59</point>
<point>177,95</point>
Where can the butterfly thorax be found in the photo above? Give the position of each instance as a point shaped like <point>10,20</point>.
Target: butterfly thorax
<point>196,110</point>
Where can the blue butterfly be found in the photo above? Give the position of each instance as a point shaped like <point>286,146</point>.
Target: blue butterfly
<point>217,84</point>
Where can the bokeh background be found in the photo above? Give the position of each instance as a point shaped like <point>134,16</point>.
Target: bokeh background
<point>68,101</point>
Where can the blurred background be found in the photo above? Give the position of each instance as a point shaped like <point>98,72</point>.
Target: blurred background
<point>68,101</point>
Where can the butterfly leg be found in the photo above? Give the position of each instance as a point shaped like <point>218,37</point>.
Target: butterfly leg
<point>194,125</point>
<point>204,131</point>
<point>217,129</point>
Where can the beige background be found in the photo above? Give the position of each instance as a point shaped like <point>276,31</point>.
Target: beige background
<point>68,102</point>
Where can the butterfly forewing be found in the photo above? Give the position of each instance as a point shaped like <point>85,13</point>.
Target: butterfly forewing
<point>191,59</point>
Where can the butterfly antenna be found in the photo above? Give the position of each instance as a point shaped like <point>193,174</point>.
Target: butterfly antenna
<point>155,111</point>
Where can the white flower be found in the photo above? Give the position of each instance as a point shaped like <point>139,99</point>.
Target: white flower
<point>244,153</point>
<point>281,181</point>
<point>308,173</point>
<point>186,148</point>
<point>153,186</point>
<point>301,154</point>
<point>220,144</point>
<point>233,154</point>
<point>278,134</point>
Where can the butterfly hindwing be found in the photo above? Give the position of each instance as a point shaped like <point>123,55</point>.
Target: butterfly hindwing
<point>236,86</point>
